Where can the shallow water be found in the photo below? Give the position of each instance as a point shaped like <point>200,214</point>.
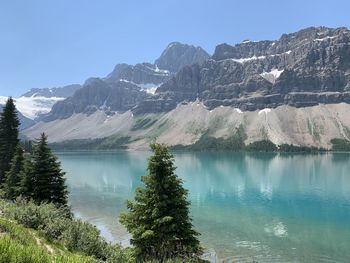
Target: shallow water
<point>262,207</point>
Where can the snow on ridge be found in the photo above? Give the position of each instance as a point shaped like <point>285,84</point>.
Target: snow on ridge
<point>159,71</point>
<point>31,107</point>
<point>325,38</point>
<point>266,111</point>
<point>243,60</point>
<point>3,100</point>
<point>238,110</point>
<point>148,87</point>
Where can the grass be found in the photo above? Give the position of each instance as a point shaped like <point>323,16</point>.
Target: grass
<point>19,244</point>
<point>45,233</point>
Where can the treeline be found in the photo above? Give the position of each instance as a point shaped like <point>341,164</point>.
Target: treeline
<point>340,145</point>
<point>207,142</point>
<point>36,175</point>
<point>236,143</point>
<point>107,143</point>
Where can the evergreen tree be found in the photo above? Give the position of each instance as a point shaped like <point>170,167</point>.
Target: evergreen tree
<point>9,124</point>
<point>47,177</point>
<point>28,183</point>
<point>13,176</point>
<point>159,216</point>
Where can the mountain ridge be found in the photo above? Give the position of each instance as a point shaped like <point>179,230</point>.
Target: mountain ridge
<point>300,72</point>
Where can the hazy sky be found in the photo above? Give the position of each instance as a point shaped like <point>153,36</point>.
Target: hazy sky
<point>47,43</point>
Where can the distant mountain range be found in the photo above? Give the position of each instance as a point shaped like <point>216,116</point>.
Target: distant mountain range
<point>302,78</point>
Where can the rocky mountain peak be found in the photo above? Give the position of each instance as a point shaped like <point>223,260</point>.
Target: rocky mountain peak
<point>177,55</point>
<point>300,69</point>
<point>61,92</point>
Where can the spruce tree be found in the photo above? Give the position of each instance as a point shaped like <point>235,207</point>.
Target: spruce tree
<point>9,124</point>
<point>158,218</point>
<point>28,183</point>
<point>47,177</point>
<point>12,186</point>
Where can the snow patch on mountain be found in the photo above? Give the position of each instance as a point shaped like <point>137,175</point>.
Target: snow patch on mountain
<point>243,60</point>
<point>272,75</point>
<point>266,111</point>
<point>325,38</point>
<point>32,107</point>
<point>147,87</point>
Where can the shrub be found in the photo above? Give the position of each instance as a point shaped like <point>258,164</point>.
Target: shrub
<point>47,218</point>
<point>84,237</point>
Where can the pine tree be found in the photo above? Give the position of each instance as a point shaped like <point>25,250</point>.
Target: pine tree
<point>47,177</point>
<point>28,183</point>
<point>9,124</point>
<point>158,218</point>
<point>12,186</point>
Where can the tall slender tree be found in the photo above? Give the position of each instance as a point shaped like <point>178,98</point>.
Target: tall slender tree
<point>9,124</point>
<point>158,218</point>
<point>12,185</point>
<point>28,183</point>
<point>47,177</point>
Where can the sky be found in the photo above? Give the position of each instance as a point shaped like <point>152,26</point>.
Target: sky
<point>48,43</point>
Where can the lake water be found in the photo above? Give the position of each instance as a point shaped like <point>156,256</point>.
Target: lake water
<point>262,207</point>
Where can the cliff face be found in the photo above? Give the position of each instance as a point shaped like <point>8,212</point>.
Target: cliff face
<point>127,85</point>
<point>301,69</point>
<point>97,94</point>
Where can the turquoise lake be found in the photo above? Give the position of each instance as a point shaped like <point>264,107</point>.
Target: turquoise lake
<point>262,207</point>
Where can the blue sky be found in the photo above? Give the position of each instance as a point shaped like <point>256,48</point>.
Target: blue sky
<point>53,43</point>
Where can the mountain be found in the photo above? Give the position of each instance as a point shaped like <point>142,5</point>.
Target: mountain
<point>292,90</point>
<point>178,55</point>
<point>36,102</point>
<point>97,94</point>
<point>61,92</point>
<point>301,69</point>
<point>127,85</point>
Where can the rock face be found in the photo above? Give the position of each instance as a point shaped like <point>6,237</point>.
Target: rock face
<point>140,74</point>
<point>61,92</point>
<point>127,85</point>
<point>98,94</point>
<point>301,69</point>
<point>178,55</point>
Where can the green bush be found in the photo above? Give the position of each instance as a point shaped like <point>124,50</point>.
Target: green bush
<point>84,237</point>
<point>19,244</point>
<point>47,218</point>
<point>56,225</point>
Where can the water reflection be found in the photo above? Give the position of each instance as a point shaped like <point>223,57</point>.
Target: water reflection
<point>271,207</point>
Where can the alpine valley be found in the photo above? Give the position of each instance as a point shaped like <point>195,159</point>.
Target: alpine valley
<point>294,90</point>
